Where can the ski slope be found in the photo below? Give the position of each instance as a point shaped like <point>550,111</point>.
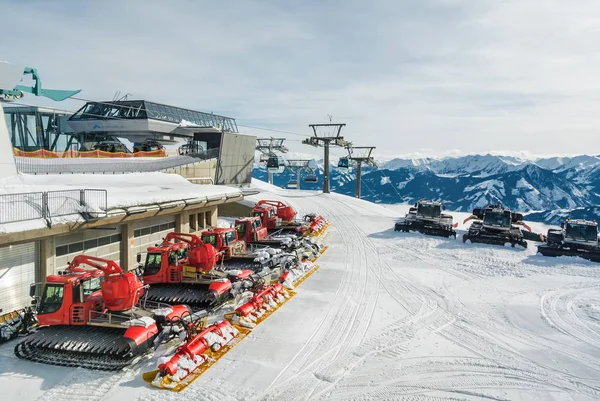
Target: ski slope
<point>390,316</point>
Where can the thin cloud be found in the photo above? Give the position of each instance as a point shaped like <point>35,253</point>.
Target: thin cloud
<point>406,76</point>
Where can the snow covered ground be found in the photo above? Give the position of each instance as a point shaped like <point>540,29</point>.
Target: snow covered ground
<point>396,316</point>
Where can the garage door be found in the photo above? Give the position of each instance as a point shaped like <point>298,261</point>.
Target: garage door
<point>150,232</point>
<point>17,273</point>
<point>104,243</point>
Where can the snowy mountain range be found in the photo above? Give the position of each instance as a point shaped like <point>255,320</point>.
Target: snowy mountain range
<point>549,189</point>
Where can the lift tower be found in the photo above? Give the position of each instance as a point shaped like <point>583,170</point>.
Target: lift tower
<point>334,139</point>
<point>298,165</point>
<point>269,146</point>
<point>360,155</point>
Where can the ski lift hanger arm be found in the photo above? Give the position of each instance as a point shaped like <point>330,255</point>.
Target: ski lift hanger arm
<point>36,89</point>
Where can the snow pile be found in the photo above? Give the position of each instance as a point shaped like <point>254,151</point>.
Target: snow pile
<point>296,273</point>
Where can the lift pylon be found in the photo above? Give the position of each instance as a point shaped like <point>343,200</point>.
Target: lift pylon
<point>268,146</point>
<point>298,165</point>
<point>330,139</point>
<point>360,155</point>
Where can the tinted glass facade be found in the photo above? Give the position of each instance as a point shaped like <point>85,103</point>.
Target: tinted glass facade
<point>141,109</point>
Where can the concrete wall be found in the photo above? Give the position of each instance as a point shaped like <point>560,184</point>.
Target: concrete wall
<point>203,169</point>
<point>235,209</point>
<point>236,159</point>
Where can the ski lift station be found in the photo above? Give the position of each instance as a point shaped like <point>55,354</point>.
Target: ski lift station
<point>64,192</point>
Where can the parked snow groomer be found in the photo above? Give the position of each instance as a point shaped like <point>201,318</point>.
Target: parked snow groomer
<point>426,217</point>
<point>574,238</point>
<point>496,225</point>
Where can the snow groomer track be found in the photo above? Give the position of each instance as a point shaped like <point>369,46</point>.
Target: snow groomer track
<point>395,316</point>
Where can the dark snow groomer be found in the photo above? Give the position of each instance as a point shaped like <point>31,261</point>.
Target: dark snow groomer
<point>574,238</point>
<point>426,217</point>
<point>496,225</point>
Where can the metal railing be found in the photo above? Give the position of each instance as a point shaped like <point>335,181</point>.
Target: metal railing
<point>46,205</point>
<point>32,165</point>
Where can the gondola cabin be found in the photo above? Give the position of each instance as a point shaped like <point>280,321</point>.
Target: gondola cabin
<point>344,165</point>
<point>292,184</point>
<point>275,164</point>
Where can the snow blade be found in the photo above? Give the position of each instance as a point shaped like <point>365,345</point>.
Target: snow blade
<point>195,357</point>
<point>469,218</point>
<point>295,276</point>
<point>264,302</point>
<point>317,226</point>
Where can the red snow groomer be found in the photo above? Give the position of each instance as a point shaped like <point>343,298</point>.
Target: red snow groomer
<point>96,318</point>
<point>183,270</point>
<point>280,217</point>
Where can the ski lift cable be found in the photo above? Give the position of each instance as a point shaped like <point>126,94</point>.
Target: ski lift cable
<point>389,181</point>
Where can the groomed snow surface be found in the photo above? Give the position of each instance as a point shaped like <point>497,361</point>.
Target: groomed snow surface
<point>391,316</point>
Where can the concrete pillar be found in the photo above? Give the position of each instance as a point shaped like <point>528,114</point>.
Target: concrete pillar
<point>212,217</point>
<point>128,256</point>
<point>182,222</point>
<point>47,263</point>
<point>201,220</point>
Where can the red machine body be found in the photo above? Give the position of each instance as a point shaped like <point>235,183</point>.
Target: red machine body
<point>69,298</point>
<point>226,242</point>
<point>259,299</point>
<point>283,211</point>
<point>164,263</point>
<point>251,229</point>
<point>195,346</point>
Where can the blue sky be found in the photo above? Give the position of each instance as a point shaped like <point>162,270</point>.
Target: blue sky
<point>432,77</point>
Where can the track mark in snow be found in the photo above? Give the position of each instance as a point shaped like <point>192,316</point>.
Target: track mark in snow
<point>83,385</point>
<point>557,309</point>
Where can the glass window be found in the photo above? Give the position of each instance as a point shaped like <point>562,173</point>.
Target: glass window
<point>91,243</point>
<point>76,247</point>
<point>182,253</point>
<point>230,237</point>
<point>153,264</point>
<point>241,230</point>
<point>90,286</point>
<point>429,210</point>
<point>146,231</point>
<point>62,250</point>
<point>210,239</point>
<point>155,229</point>
<point>115,238</point>
<point>582,232</point>
<point>51,298</point>
<point>103,241</point>
<point>502,219</point>
<point>258,214</point>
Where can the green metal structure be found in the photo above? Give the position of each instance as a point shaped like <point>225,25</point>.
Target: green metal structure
<point>18,91</point>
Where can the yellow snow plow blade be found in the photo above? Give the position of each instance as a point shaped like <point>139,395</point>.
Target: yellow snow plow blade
<point>168,383</point>
<point>306,275</point>
<point>10,316</point>
<point>321,252</point>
